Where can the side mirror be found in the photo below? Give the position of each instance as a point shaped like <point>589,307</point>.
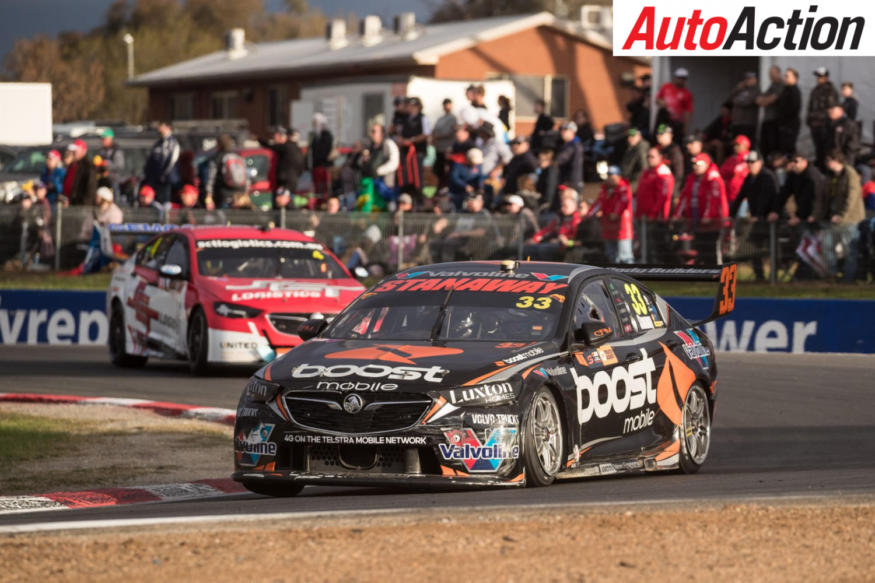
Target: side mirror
<point>171,271</point>
<point>593,333</point>
<point>360,272</point>
<point>312,328</point>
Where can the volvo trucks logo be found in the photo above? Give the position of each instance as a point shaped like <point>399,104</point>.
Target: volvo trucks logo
<point>352,404</point>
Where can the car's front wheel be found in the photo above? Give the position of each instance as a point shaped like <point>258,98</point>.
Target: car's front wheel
<point>277,490</point>
<point>118,341</point>
<point>198,342</point>
<point>542,439</point>
<point>695,430</point>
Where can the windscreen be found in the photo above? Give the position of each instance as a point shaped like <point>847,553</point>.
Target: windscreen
<point>467,315</point>
<point>266,258</point>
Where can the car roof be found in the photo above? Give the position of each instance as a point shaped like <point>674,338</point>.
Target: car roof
<point>479,268</point>
<point>243,232</point>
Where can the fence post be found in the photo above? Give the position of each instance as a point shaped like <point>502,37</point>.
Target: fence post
<point>643,237</point>
<point>59,210</point>
<point>773,252</point>
<point>282,217</point>
<point>400,239</point>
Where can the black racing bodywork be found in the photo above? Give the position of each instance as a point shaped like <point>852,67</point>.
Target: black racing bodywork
<point>436,412</point>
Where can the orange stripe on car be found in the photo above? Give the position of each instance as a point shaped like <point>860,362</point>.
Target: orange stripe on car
<point>673,448</point>
<point>673,386</point>
<point>281,407</point>
<point>486,376</point>
<point>434,409</point>
<point>267,372</point>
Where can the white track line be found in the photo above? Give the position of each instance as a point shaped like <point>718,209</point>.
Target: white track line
<point>577,506</point>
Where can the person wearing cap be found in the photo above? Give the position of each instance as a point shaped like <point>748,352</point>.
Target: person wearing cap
<point>677,100</point>
<point>694,145</point>
<point>569,159</point>
<point>188,198</point>
<point>442,137</point>
<point>744,107</point>
<point>522,162</point>
<point>289,161</point>
<point>83,184</point>
<point>635,157</point>
<point>615,210</point>
<point>53,176</point>
<point>161,170</point>
<point>760,190</point>
<point>466,178</point>
<point>734,169</point>
<point>146,200</point>
<point>843,134</point>
<point>113,156</point>
<point>671,152</point>
<point>655,189</point>
<point>823,96</point>
<point>703,197</point>
<point>107,212</point>
<point>525,225</point>
<point>768,101</point>
<point>841,211</point>
<point>543,125</point>
<point>789,108</point>
<point>554,240</point>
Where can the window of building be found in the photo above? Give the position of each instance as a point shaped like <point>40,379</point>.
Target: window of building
<point>224,105</point>
<point>373,109</point>
<point>558,98</point>
<point>277,106</point>
<point>182,106</point>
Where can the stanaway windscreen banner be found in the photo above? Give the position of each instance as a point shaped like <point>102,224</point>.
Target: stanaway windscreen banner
<point>756,325</point>
<point>647,28</point>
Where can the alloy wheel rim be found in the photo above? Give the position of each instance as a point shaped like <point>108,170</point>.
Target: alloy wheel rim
<point>697,425</point>
<point>547,433</point>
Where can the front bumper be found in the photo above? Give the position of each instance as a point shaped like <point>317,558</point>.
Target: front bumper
<point>474,447</point>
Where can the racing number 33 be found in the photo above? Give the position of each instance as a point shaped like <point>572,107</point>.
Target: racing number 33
<point>541,303</point>
<point>638,303</point>
<point>727,282</point>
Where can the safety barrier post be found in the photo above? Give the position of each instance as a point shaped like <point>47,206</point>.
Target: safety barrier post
<point>282,217</point>
<point>400,239</point>
<point>59,210</point>
<point>773,253</point>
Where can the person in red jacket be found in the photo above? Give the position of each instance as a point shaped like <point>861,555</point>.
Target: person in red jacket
<point>703,198</point>
<point>734,169</point>
<point>551,242</point>
<point>655,187</point>
<point>615,210</point>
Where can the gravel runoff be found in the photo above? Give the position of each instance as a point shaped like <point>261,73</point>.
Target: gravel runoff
<point>793,541</point>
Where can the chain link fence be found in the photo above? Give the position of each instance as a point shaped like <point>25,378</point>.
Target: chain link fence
<point>383,241</point>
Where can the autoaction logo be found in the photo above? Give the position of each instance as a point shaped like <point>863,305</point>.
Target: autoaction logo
<point>741,27</point>
<point>464,446</point>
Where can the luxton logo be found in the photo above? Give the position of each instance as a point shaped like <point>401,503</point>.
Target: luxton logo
<point>741,27</point>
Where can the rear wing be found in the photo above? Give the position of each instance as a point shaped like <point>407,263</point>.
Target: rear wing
<point>724,275</point>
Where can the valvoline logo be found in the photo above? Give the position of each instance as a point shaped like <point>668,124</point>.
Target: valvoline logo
<point>544,276</point>
<point>693,347</point>
<point>464,446</point>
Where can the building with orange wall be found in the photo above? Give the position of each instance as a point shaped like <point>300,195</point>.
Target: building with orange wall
<point>353,78</point>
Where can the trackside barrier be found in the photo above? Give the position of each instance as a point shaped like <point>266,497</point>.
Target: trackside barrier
<point>756,325</point>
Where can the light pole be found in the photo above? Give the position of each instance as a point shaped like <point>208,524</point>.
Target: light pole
<point>129,42</point>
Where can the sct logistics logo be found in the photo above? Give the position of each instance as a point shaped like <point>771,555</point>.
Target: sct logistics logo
<point>738,27</point>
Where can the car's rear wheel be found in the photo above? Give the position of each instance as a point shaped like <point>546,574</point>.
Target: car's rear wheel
<point>197,341</point>
<point>118,341</point>
<point>277,490</point>
<point>695,430</point>
<point>542,439</point>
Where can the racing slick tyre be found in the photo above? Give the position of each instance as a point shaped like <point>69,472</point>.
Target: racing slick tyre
<point>273,489</point>
<point>197,340</point>
<point>542,439</point>
<point>117,341</point>
<point>695,431</point>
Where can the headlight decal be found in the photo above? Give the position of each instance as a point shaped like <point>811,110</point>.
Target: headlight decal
<point>229,310</point>
<point>440,409</point>
<point>260,390</point>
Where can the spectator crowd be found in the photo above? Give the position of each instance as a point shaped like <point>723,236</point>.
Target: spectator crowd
<point>468,166</point>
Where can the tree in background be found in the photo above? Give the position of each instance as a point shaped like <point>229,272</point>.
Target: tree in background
<point>88,71</point>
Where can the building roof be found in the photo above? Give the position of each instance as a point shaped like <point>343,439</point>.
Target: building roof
<point>315,54</point>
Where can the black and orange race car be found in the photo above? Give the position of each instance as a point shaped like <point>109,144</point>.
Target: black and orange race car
<point>487,374</point>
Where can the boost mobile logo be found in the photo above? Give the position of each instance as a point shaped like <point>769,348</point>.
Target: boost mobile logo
<point>432,374</point>
<point>637,383</point>
<point>736,27</point>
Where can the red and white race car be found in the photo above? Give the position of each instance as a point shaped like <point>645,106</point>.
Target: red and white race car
<point>222,295</point>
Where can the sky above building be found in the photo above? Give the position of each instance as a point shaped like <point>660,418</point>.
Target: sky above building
<point>26,18</point>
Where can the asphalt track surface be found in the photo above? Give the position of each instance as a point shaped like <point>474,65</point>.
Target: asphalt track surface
<point>785,426</point>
